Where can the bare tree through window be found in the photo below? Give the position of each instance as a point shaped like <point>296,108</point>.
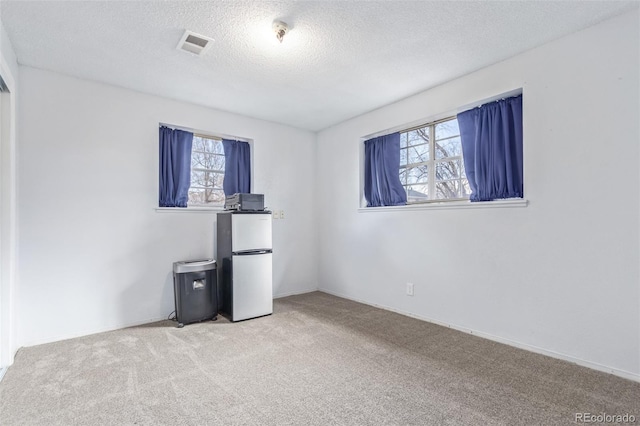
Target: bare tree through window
<point>431,166</point>
<point>207,172</point>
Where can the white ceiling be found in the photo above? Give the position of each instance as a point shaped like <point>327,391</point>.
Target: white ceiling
<point>339,60</point>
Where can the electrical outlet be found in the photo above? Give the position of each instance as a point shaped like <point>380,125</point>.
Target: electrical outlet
<point>409,289</point>
<point>281,214</point>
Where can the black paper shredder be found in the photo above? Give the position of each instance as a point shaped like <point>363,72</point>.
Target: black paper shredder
<point>195,290</point>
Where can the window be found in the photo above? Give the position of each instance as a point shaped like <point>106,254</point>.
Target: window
<point>431,166</point>
<point>425,163</point>
<point>198,170</point>
<point>207,172</point>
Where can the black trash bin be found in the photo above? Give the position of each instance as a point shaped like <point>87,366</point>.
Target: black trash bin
<point>195,291</point>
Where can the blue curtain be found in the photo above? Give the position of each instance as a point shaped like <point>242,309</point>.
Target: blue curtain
<point>175,167</point>
<point>491,138</point>
<point>382,186</point>
<point>237,167</point>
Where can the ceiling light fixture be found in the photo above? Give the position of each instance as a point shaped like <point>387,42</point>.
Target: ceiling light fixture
<point>280,28</point>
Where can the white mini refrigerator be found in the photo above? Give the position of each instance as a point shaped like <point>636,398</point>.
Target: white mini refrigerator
<point>244,254</point>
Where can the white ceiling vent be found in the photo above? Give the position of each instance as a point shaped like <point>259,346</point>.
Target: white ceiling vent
<point>194,43</point>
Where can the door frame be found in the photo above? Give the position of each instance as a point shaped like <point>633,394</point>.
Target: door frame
<point>8,218</point>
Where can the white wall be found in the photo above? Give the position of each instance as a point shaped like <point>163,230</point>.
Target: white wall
<point>9,59</point>
<point>559,276</point>
<point>8,239</point>
<point>93,253</point>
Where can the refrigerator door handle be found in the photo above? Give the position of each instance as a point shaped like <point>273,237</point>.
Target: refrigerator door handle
<point>251,252</point>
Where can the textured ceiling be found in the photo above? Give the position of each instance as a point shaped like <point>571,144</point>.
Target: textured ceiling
<point>340,58</point>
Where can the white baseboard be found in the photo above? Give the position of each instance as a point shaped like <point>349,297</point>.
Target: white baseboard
<point>3,371</point>
<point>131,324</point>
<point>531,348</point>
<point>295,293</point>
<point>90,332</point>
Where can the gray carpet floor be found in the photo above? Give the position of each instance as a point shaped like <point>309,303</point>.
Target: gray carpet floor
<point>318,360</point>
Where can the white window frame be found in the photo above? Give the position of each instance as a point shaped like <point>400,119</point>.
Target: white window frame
<point>212,138</point>
<point>432,162</point>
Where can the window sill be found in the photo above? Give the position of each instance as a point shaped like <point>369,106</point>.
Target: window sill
<point>446,205</point>
<point>189,209</point>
